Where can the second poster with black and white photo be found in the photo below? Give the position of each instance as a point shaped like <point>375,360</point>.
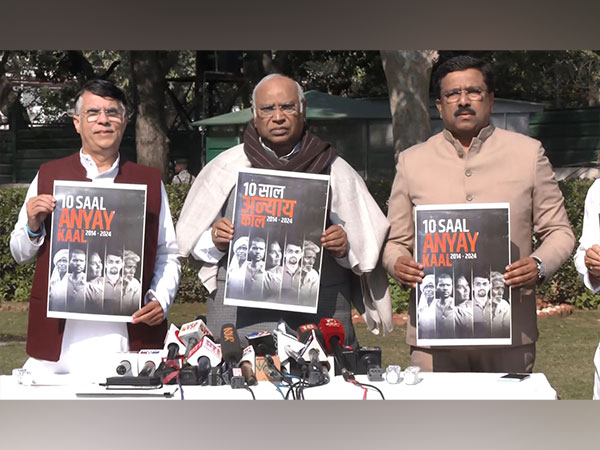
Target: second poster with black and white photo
<point>463,299</point>
<point>276,253</point>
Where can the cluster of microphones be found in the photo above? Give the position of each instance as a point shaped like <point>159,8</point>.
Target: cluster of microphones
<point>193,355</point>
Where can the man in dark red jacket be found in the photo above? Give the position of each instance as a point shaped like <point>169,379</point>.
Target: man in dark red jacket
<point>72,345</point>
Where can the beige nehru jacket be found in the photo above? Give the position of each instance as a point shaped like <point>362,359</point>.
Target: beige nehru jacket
<point>500,166</point>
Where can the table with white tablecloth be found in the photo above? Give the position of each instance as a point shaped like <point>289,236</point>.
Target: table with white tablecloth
<point>433,386</point>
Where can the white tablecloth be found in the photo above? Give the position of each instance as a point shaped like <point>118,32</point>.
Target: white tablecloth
<point>433,386</point>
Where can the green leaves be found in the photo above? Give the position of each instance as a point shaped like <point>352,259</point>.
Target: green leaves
<point>565,285</point>
<point>15,280</point>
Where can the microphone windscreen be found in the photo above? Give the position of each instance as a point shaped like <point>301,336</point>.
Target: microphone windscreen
<point>124,368</point>
<point>172,350</point>
<point>204,366</point>
<point>331,328</point>
<point>230,344</point>
<point>148,369</point>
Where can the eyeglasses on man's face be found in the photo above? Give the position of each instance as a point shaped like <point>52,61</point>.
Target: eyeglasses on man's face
<point>474,94</point>
<point>112,114</point>
<point>285,108</point>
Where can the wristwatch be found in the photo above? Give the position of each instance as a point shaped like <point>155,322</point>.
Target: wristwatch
<point>541,269</point>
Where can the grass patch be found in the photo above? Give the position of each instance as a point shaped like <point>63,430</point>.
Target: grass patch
<point>12,355</point>
<point>565,352</point>
<point>565,349</point>
<point>13,325</point>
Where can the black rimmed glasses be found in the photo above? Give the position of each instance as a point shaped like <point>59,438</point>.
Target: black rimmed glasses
<point>474,94</point>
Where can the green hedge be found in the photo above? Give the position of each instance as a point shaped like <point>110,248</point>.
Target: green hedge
<point>190,288</point>
<point>15,280</point>
<point>565,285</point>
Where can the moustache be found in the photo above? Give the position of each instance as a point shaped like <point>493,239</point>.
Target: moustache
<point>463,110</point>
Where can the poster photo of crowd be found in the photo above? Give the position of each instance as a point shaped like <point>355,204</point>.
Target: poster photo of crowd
<point>96,248</point>
<point>275,259</point>
<point>463,299</point>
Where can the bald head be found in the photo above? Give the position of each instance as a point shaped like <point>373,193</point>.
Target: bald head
<point>278,75</point>
<point>278,105</point>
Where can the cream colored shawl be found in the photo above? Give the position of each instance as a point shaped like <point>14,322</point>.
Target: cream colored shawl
<point>352,207</point>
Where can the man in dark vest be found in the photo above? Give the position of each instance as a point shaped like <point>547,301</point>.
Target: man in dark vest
<point>79,346</point>
<point>278,139</point>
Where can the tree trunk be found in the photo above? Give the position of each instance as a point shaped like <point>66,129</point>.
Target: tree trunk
<point>407,74</point>
<point>151,138</point>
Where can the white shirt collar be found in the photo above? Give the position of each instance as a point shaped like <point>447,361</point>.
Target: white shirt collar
<point>92,170</point>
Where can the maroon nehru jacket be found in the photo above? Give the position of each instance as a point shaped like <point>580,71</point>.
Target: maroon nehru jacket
<point>44,335</point>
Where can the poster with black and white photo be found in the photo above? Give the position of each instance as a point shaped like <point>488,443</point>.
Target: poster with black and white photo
<point>96,251</point>
<point>275,255</point>
<point>463,299</point>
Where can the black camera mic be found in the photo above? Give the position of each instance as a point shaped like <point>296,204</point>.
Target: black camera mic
<point>232,354</point>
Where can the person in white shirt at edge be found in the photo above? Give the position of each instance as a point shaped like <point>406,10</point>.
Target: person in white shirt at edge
<point>587,259</point>
<point>100,118</point>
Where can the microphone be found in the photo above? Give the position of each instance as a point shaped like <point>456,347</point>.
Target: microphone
<point>305,332</point>
<point>263,343</point>
<point>314,346</point>
<point>232,354</point>
<point>294,355</point>
<point>148,369</point>
<point>203,369</point>
<point>297,364</point>
<point>172,350</point>
<point>230,345</point>
<point>333,336</point>
<point>191,333</point>
<point>247,366</point>
<point>149,360</point>
<point>316,374</point>
<point>205,348</point>
<point>273,372</point>
<point>284,340</point>
<point>172,339</point>
<point>124,368</point>
<point>174,347</point>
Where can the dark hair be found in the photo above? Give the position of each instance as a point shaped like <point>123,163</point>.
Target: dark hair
<point>481,273</point>
<point>463,62</point>
<point>293,241</point>
<point>114,251</point>
<point>257,238</point>
<point>103,88</point>
<point>443,275</point>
